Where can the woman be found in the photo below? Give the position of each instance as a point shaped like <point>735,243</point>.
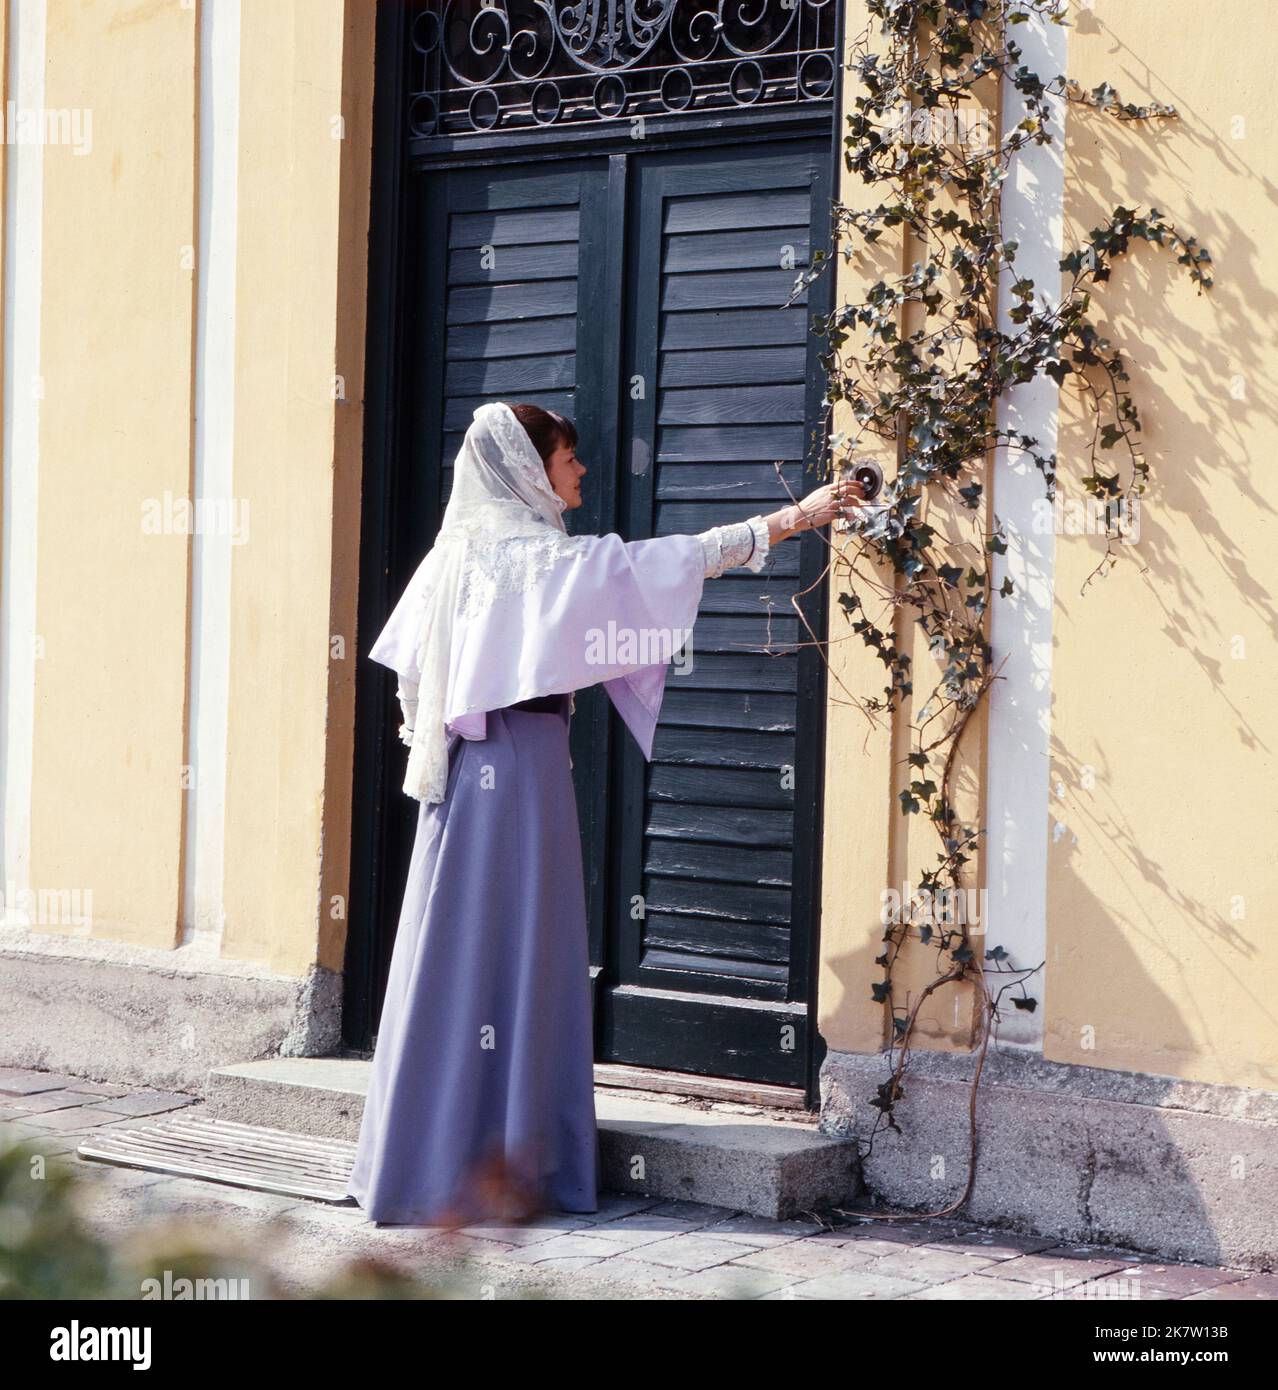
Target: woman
<point>481,1094</point>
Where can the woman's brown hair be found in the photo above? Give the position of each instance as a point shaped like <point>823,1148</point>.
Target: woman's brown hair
<point>547,429</point>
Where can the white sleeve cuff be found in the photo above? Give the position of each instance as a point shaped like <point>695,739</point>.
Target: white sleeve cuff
<point>759,525</point>
<point>738,544</point>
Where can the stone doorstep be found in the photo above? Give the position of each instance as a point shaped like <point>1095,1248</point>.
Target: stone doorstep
<point>768,1165</point>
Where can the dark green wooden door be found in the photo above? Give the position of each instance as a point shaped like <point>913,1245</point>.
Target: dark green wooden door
<point>717,836</point>
<point>642,294</point>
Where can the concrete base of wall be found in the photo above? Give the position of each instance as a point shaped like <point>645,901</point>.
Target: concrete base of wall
<point>135,1015</point>
<point>1181,1169</point>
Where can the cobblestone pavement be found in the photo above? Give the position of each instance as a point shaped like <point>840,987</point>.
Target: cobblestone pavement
<point>633,1247</point>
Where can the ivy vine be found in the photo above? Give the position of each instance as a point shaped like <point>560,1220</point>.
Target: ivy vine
<point>919,364</point>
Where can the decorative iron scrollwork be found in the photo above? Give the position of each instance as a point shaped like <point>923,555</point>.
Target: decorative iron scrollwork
<point>485,65</point>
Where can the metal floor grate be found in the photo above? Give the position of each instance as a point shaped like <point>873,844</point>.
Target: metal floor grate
<point>198,1146</point>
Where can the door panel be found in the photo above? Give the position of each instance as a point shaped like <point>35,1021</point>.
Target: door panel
<point>508,296</point>
<point>711,836</point>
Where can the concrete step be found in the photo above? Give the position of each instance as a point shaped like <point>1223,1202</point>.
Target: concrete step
<point>764,1162</point>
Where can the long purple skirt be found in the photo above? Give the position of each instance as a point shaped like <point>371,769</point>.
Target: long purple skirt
<point>483,1073</point>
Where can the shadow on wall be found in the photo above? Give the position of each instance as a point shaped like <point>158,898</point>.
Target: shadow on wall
<point>1102,952</point>
<point>1161,824</point>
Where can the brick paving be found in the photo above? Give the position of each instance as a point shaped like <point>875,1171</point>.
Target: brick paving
<point>633,1247</point>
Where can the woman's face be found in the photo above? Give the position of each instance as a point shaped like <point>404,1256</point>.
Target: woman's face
<point>565,472</point>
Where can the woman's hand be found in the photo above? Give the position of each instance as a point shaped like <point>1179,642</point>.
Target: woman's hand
<point>818,508</point>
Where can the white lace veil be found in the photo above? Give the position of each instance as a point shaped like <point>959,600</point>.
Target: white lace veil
<point>499,479</point>
<point>502,530</point>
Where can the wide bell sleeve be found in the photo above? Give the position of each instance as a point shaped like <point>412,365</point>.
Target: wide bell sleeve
<point>396,644</point>
<point>396,647</point>
<point>613,613</point>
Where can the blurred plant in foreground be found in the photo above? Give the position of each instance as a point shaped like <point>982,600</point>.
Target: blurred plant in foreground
<point>48,1250</point>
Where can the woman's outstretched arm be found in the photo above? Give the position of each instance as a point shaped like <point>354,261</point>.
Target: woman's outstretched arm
<point>747,543</point>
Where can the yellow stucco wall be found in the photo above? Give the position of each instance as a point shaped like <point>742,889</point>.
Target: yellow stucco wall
<point>4,97</point>
<point>857,849</point>
<point>118,363</point>
<point>115,431</point>
<point>869,845</point>
<point>305,126</point>
<point>4,166</point>
<point>1162,890</point>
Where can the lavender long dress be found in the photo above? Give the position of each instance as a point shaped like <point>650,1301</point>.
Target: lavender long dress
<point>484,1055</point>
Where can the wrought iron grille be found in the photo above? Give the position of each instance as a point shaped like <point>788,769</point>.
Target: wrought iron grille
<point>478,66</point>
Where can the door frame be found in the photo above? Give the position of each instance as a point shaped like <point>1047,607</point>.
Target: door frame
<point>393,510</point>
